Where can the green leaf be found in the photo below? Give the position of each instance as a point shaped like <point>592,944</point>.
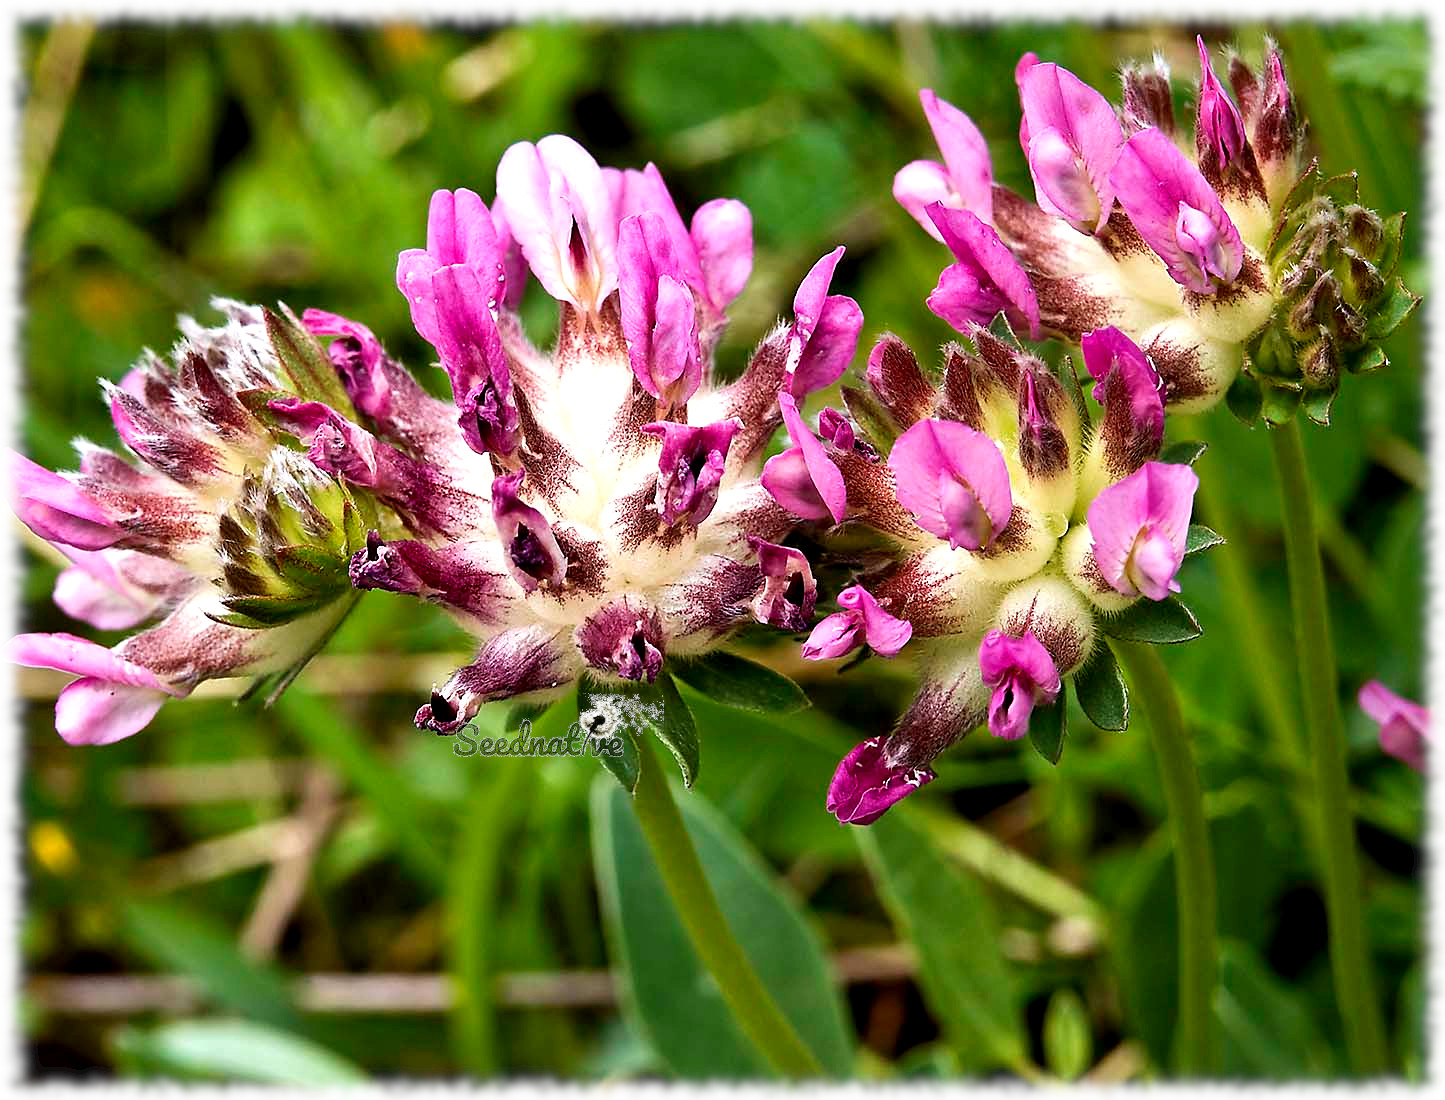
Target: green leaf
<point>738,682</point>
<point>667,995</point>
<point>946,915</point>
<point>1155,622</point>
<point>1184,453</point>
<point>186,942</point>
<point>624,766</point>
<point>1068,1035</point>
<point>233,1050</point>
<point>1244,398</point>
<point>1047,729</point>
<point>678,732</point>
<point>1100,688</point>
<point>1201,538</point>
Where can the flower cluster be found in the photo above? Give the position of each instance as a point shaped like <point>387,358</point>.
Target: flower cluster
<point>593,510</point>
<point>1239,270</point>
<point>1016,527</point>
<point>237,544</point>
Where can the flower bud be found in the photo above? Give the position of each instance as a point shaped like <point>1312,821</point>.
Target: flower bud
<point>864,786</point>
<point>860,620</point>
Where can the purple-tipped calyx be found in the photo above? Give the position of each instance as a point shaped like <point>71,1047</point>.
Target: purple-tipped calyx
<point>861,620</point>
<point>1022,676</point>
<point>1177,213</point>
<point>1404,725</point>
<point>1140,526</point>
<point>788,593</point>
<point>1072,138</point>
<point>985,281</point>
<point>624,638</point>
<point>1219,128</point>
<point>659,316</point>
<point>532,554</point>
<point>864,786</point>
<point>954,482</point>
<point>690,468</point>
<point>964,181</point>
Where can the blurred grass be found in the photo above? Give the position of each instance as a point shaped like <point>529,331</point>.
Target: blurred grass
<point>168,163</point>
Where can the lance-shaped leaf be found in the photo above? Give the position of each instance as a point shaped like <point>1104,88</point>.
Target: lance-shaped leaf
<point>737,682</point>
<point>1154,622</point>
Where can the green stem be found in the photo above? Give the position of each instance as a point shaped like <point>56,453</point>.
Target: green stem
<point>1193,860</point>
<point>752,1006</point>
<point>1319,690</point>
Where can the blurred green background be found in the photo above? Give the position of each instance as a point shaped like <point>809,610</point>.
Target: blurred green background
<point>341,896</point>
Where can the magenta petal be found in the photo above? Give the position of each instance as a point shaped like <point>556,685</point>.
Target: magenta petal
<point>1139,527</point>
<point>1404,725</point>
<point>1023,676</point>
<point>722,234</point>
<point>1177,213</point>
<point>94,591</point>
<point>56,509</point>
<point>788,480</point>
<point>812,293</point>
<point>825,475</point>
<point>864,787</point>
<point>934,464</point>
<point>1218,125</point>
<point>835,636</point>
<point>789,593</point>
<point>1000,282</point>
<point>67,653</point>
<point>532,554</point>
<point>676,358</point>
<point>886,633</point>
<point>466,336</point>
<point>831,347</point>
<point>690,467</point>
<point>1106,350</point>
<point>965,152</point>
<point>1084,123</point>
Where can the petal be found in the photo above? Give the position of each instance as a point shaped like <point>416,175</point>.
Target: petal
<point>978,248</point>
<point>919,183</point>
<point>722,234</point>
<point>864,786</point>
<point>1158,497</point>
<point>933,455</point>
<point>56,509</point>
<point>965,152</point>
<point>106,603</point>
<point>829,350</point>
<point>833,637</point>
<point>99,712</point>
<point>825,475</point>
<point>812,293</point>
<point>1054,98</point>
<point>886,633</point>
<point>676,357</point>
<point>788,480</point>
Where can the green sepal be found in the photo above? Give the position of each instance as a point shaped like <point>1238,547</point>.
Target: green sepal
<point>264,611</point>
<point>678,731</point>
<point>1000,328</point>
<point>1398,304</point>
<point>1047,728</point>
<point>1184,453</point>
<point>1371,357</point>
<point>1279,404</point>
<point>312,569</point>
<point>1070,381</point>
<point>304,362</point>
<point>1317,404</point>
<point>1154,622</point>
<point>737,682</point>
<point>875,420</point>
<point>1200,538</point>
<point>1245,398</point>
<point>1101,691</point>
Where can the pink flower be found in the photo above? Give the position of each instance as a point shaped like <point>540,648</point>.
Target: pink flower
<point>1072,138</point>
<point>532,555</point>
<point>690,468</point>
<point>1108,351</point>
<point>954,482</point>
<point>964,181</point>
<point>112,699</point>
<point>1140,525</point>
<point>1219,128</point>
<point>1022,675</point>
<point>57,509</point>
<point>861,620</point>
<point>986,280</point>
<point>864,786</point>
<point>117,589</point>
<point>788,593</point>
<point>825,330</point>
<point>559,210</point>
<point>1404,726</point>
<point>460,231</point>
<point>659,317</point>
<point>1177,213</point>
<point>804,479</point>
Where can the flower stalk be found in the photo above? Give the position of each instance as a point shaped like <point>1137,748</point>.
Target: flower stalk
<point>754,1009</point>
<point>1319,690</point>
<point>1193,859</point>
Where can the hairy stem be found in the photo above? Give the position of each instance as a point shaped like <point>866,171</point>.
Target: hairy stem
<point>754,1009</point>
<point>1193,860</point>
<point>1319,691</point>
